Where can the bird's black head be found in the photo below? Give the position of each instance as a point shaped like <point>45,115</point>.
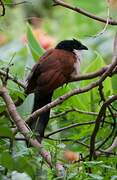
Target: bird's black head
<point>70,45</point>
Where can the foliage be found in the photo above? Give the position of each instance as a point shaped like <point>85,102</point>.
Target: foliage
<point>18,160</point>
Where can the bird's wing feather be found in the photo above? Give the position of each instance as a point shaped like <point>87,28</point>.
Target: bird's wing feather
<point>35,73</point>
<point>52,71</point>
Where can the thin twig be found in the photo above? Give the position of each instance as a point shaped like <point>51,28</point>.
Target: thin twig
<point>20,83</point>
<point>106,25</point>
<point>73,110</point>
<point>69,127</point>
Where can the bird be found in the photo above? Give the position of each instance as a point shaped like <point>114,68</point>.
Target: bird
<point>54,69</point>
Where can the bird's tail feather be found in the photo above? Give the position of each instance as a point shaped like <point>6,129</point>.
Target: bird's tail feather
<point>38,125</point>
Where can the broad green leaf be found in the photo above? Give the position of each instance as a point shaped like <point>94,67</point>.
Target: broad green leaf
<point>34,46</point>
<point>91,99</point>
<point>24,164</point>
<point>6,160</point>
<point>73,101</point>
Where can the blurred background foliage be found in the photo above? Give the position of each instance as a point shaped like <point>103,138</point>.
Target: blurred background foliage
<point>20,46</point>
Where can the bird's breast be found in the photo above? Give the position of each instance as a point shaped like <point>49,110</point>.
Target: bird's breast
<point>76,65</point>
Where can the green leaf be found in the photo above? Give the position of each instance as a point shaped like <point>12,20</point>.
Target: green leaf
<point>114,83</point>
<point>92,98</point>
<point>8,1</point>
<point>6,160</point>
<point>5,130</point>
<point>34,46</point>
<point>95,176</point>
<point>26,108</point>
<point>73,101</point>
<point>24,164</point>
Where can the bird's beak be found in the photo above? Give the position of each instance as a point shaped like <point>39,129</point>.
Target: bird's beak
<point>83,47</point>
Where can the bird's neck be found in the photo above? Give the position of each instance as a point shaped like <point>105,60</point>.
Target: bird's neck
<point>78,54</point>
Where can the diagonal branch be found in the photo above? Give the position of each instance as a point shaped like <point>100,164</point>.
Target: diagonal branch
<point>83,12</point>
<point>22,126</point>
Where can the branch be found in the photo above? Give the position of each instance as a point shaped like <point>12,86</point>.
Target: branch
<point>89,75</point>
<point>73,110</point>
<point>69,127</point>
<point>83,12</point>
<point>23,128</point>
<point>80,112</point>
<point>67,140</point>
<point>20,83</point>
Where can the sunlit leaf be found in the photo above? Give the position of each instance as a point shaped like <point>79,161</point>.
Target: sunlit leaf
<point>34,46</point>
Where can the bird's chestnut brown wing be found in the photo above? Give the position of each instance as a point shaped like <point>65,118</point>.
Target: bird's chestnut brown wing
<point>52,71</point>
<point>55,71</point>
<point>34,74</point>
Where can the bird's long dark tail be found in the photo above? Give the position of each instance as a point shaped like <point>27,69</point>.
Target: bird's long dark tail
<point>38,125</point>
